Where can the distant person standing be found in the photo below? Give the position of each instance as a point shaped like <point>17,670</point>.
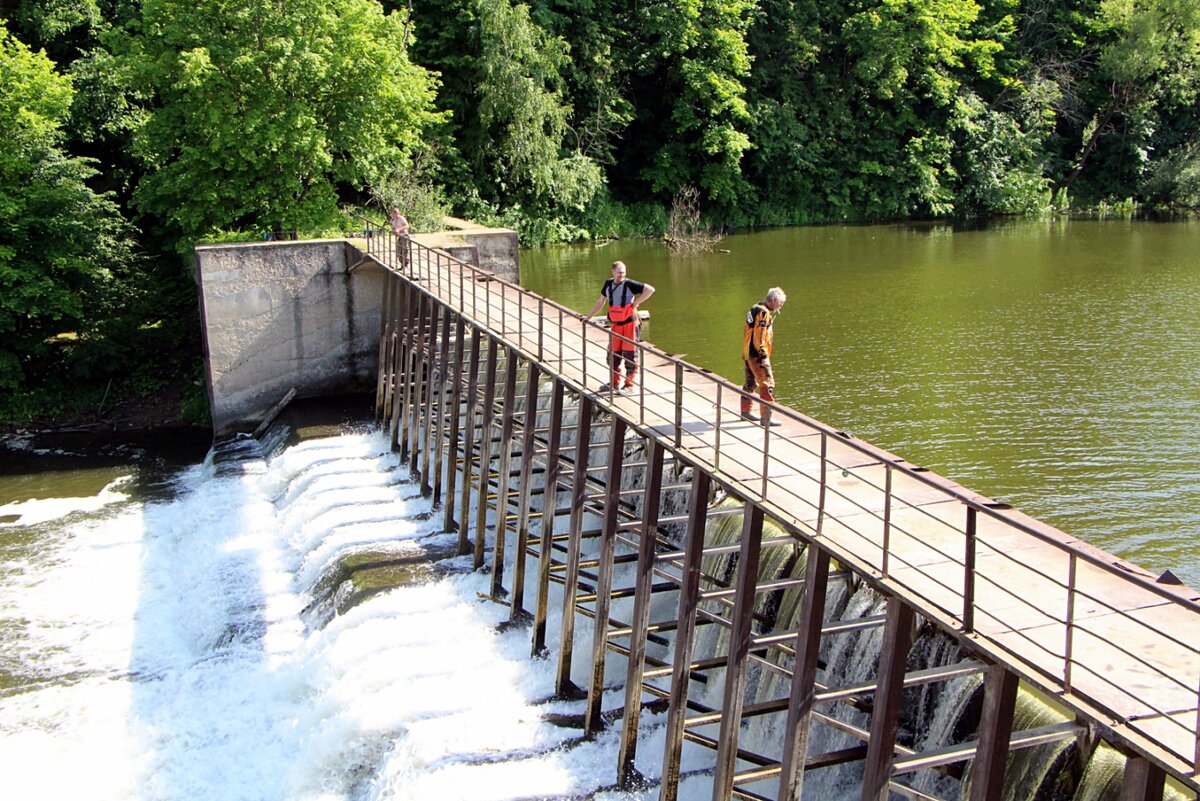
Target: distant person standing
<point>757,343</point>
<point>623,296</point>
<point>400,231</point>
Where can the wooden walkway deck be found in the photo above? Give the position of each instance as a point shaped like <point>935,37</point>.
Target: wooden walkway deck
<point>1086,627</point>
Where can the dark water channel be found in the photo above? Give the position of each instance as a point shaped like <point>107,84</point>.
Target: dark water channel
<point>1053,365</point>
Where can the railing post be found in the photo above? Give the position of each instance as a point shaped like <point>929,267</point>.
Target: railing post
<point>642,390</point>
<point>1196,753</point>
<point>766,462</point>
<point>541,327</point>
<point>824,482</point>
<point>1069,640</point>
<point>717,433</point>
<point>969,571</point>
<point>678,404</point>
<point>887,516</point>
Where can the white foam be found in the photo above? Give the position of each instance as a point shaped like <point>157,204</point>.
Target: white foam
<point>163,655</point>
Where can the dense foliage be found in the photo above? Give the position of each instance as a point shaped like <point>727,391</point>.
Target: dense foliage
<point>134,128</point>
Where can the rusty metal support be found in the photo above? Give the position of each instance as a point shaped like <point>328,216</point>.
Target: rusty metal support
<point>546,526</point>
<point>627,774</point>
<point>525,488</point>
<point>412,366</point>
<point>455,411</point>
<point>504,471</point>
<point>424,375</point>
<point>485,450</point>
<point>438,437</point>
<point>739,652</point>
<point>468,467</point>
<point>382,380</point>
<point>408,402</point>
<point>402,372</point>
<point>399,355</point>
<point>1143,780</point>
<point>433,367</point>
<point>995,730</point>
<point>804,673</point>
<point>583,432</point>
<point>608,545</point>
<point>889,692</point>
<point>689,601</point>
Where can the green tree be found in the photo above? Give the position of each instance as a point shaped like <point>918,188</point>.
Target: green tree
<point>525,114</point>
<point>260,113</point>
<point>689,63</point>
<point>1148,69</point>
<point>63,248</point>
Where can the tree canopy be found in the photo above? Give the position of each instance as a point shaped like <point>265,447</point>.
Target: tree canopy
<point>63,247</point>
<point>135,128</point>
<point>259,113</point>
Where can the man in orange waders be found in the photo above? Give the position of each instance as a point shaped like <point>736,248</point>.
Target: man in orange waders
<point>756,353</point>
<point>623,296</point>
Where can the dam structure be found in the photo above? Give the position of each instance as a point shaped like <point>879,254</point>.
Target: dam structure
<point>757,608</point>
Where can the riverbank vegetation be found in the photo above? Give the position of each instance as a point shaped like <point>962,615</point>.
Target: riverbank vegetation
<point>134,129</point>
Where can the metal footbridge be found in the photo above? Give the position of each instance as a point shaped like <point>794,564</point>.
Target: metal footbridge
<point>586,502</point>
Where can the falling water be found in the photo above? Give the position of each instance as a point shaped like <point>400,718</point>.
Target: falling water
<point>158,650</point>
<point>215,645</point>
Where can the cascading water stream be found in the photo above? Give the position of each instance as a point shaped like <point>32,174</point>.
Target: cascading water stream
<point>221,644</point>
<point>159,651</point>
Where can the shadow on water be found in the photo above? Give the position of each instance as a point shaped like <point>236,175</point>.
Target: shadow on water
<point>81,464</point>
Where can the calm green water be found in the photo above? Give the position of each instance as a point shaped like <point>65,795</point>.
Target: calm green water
<point>1052,365</point>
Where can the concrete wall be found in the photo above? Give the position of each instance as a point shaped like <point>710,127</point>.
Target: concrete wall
<point>279,316</point>
<point>497,248</point>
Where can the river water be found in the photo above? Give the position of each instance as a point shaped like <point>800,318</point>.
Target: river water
<point>1052,365</point>
<point>153,637</point>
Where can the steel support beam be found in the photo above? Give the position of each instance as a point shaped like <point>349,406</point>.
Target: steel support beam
<point>608,545</point>
<point>739,652</point>
<point>583,432</point>
<point>689,601</point>
<point>995,730</point>
<point>546,526</point>
<point>897,638</point>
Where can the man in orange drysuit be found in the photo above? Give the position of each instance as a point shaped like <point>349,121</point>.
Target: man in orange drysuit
<point>623,296</point>
<point>757,343</point>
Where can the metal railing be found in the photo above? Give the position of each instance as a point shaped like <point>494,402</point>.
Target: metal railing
<point>1076,621</point>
